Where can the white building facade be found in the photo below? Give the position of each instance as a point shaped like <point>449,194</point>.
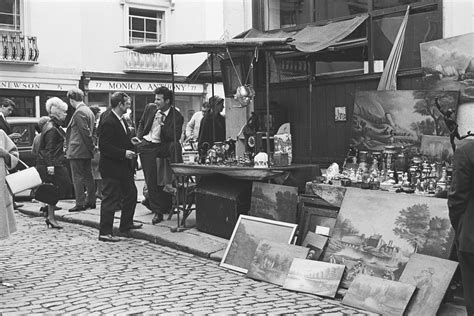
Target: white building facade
<point>50,46</point>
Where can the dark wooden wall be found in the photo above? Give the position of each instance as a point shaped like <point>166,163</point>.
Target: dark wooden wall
<point>316,137</point>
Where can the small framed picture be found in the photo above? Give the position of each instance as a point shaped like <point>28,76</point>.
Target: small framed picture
<point>247,234</point>
<point>340,114</point>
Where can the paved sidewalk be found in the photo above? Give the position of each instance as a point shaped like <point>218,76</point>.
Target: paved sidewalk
<point>190,240</point>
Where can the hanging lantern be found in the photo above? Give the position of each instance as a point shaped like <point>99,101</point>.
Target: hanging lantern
<point>244,95</point>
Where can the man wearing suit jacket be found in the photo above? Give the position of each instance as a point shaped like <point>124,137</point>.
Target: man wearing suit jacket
<point>6,109</point>
<point>158,136</point>
<point>117,168</point>
<point>80,150</point>
<point>461,214</point>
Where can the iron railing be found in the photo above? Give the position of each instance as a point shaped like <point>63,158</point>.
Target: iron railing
<point>18,48</point>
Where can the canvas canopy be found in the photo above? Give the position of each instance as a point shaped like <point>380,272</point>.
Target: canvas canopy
<point>310,39</point>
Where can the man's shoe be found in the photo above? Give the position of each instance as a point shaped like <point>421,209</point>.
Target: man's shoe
<point>136,226</point>
<point>77,208</point>
<point>157,219</point>
<point>109,238</point>
<point>89,205</point>
<point>57,208</point>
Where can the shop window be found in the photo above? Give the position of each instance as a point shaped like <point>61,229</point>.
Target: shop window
<point>99,99</point>
<point>10,15</point>
<point>145,26</point>
<point>24,106</point>
<point>421,27</point>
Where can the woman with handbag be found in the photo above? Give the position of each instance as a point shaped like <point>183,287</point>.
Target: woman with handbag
<point>51,162</point>
<point>8,160</point>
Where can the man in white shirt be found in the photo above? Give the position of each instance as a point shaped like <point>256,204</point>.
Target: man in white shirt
<point>192,128</point>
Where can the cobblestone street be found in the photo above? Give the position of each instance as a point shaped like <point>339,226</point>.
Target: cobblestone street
<point>70,271</point>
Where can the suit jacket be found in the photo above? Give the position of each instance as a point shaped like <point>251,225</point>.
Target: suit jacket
<point>113,142</point>
<point>5,126</point>
<point>461,196</point>
<point>169,135</point>
<point>79,144</point>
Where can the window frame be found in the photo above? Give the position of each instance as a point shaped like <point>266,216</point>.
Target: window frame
<point>159,30</point>
<point>17,28</point>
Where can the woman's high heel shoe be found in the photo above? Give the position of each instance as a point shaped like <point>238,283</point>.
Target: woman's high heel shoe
<point>48,224</point>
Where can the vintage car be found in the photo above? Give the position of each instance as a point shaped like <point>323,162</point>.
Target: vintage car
<point>26,127</point>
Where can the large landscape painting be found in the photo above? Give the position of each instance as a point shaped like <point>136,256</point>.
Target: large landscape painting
<point>399,118</point>
<point>375,236</point>
<point>448,64</point>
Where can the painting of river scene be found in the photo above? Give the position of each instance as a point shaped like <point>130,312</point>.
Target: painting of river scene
<point>272,261</point>
<point>375,236</point>
<point>274,201</point>
<point>315,277</point>
<point>378,295</point>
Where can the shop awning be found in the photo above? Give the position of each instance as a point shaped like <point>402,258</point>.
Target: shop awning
<point>310,39</point>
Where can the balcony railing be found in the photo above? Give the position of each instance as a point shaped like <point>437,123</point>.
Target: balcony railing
<point>147,62</point>
<point>17,48</point>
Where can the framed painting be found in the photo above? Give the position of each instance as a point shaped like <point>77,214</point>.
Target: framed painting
<point>272,261</point>
<point>248,232</point>
<point>448,64</point>
<point>379,295</point>
<point>316,215</point>
<point>376,232</point>
<point>431,276</point>
<point>315,277</point>
<point>398,118</point>
<point>274,201</point>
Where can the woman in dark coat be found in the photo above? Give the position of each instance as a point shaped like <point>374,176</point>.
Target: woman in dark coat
<point>51,162</point>
<point>212,126</point>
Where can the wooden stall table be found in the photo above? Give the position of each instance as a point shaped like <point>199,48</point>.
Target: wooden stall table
<point>185,172</point>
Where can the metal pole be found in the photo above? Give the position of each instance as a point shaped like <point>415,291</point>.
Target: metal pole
<point>308,65</point>
<point>267,92</point>
<point>212,88</point>
<point>174,106</point>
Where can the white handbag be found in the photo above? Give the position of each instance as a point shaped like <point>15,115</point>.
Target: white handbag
<point>23,180</point>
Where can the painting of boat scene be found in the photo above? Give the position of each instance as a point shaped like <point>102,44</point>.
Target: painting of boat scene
<point>315,277</point>
<point>274,201</point>
<point>431,276</point>
<point>448,64</point>
<point>272,261</point>
<point>376,237</point>
<point>399,118</point>
<point>378,295</point>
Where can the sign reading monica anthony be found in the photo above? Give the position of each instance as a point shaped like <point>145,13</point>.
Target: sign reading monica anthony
<point>104,85</point>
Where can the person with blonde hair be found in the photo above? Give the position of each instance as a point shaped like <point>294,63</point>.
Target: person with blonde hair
<point>51,162</point>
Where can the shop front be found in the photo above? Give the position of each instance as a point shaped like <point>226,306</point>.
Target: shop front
<point>99,87</point>
<point>30,91</point>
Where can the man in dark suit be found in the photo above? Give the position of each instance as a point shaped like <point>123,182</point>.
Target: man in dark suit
<point>461,214</point>
<point>6,109</point>
<point>80,150</point>
<point>117,168</point>
<point>158,136</point>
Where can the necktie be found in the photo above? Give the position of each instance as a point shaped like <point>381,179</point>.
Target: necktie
<point>124,123</point>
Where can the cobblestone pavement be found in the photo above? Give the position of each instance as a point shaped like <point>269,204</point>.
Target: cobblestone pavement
<point>70,271</point>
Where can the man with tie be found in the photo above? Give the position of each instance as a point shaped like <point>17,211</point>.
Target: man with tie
<point>158,136</point>
<point>117,168</point>
<point>6,109</point>
<point>80,150</point>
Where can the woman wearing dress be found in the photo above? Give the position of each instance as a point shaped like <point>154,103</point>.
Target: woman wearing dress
<point>8,160</point>
<point>51,162</point>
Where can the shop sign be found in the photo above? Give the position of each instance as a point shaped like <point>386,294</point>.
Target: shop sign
<point>103,85</point>
<point>32,85</point>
